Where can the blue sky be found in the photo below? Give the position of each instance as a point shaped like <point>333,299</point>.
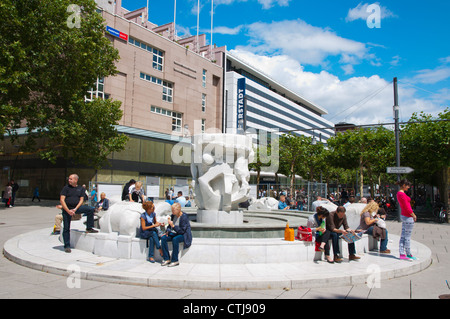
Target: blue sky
<point>326,51</point>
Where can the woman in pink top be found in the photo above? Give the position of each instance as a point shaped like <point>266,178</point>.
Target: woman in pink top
<point>408,219</point>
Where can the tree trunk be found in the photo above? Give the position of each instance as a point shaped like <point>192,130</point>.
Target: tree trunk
<point>361,179</point>
<point>292,177</point>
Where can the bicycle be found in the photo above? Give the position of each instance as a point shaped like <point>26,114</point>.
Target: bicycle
<point>440,213</point>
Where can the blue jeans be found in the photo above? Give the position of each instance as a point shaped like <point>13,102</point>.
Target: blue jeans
<point>152,241</point>
<point>176,240</point>
<point>384,242</point>
<point>335,242</point>
<point>84,210</point>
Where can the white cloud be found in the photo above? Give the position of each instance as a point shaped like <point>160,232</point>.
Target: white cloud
<point>358,100</point>
<point>266,4</point>
<point>360,12</point>
<point>308,44</point>
<point>227,30</point>
<point>432,76</point>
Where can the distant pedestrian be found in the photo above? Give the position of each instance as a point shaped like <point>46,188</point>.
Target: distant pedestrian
<point>36,194</point>
<point>7,195</point>
<point>93,197</point>
<point>408,219</point>
<point>15,188</point>
<point>126,189</point>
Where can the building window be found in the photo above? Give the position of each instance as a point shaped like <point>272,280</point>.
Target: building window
<point>177,118</point>
<point>176,122</point>
<point>158,55</point>
<point>204,78</point>
<point>203,102</point>
<point>97,91</point>
<point>167,92</point>
<point>203,125</point>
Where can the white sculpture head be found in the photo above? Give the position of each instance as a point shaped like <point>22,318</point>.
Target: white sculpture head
<point>219,170</point>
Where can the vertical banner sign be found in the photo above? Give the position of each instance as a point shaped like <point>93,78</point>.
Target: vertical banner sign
<point>240,105</point>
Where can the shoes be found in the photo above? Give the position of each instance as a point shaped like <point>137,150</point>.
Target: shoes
<point>411,257</point>
<point>173,264</point>
<point>337,259</point>
<point>387,251</point>
<point>91,231</point>
<point>404,257</point>
<point>329,261</point>
<point>165,262</point>
<point>67,250</point>
<point>151,259</point>
<point>353,257</point>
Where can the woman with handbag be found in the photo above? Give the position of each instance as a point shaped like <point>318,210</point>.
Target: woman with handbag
<point>370,223</point>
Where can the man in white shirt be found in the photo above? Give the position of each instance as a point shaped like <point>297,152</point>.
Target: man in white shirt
<point>181,199</point>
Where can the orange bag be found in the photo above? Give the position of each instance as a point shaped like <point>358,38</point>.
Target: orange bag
<point>289,233</point>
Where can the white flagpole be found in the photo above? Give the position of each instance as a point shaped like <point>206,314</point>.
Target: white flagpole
<point>212,19</point>
<point>198,25</point>
<point>175,21</point>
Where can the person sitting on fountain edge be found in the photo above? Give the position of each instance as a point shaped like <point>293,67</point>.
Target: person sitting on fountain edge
<point>282,203</point>
<point>178,230</point>
<point>335,220</point>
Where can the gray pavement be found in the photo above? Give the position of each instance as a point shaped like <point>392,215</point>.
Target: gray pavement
<point>21,282</point>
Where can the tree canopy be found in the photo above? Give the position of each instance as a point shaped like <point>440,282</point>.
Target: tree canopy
<point>51,53</point>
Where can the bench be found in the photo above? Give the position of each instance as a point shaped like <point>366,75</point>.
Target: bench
<point>365,244</point>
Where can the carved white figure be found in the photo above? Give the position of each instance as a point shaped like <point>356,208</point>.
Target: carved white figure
<point>353,213</point>
<point>265,203</point>
<point>220,170</point>
<point>123,217</point>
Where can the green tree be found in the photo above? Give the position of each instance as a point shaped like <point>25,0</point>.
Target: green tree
<point>425,146</point>
<point>369,150</point>
<point>51,52</point>
<point>292,155</point>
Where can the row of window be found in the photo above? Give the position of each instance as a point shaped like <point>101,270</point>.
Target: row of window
<point>158,55</point>
<point>167,93</point>
<point>177,118</point>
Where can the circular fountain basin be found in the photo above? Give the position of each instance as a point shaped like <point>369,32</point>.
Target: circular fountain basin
<point>256,224</point>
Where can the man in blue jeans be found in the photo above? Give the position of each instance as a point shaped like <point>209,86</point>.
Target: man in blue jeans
<point>71,198</point>
<point>179,231</point>
<point>334,222</point>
